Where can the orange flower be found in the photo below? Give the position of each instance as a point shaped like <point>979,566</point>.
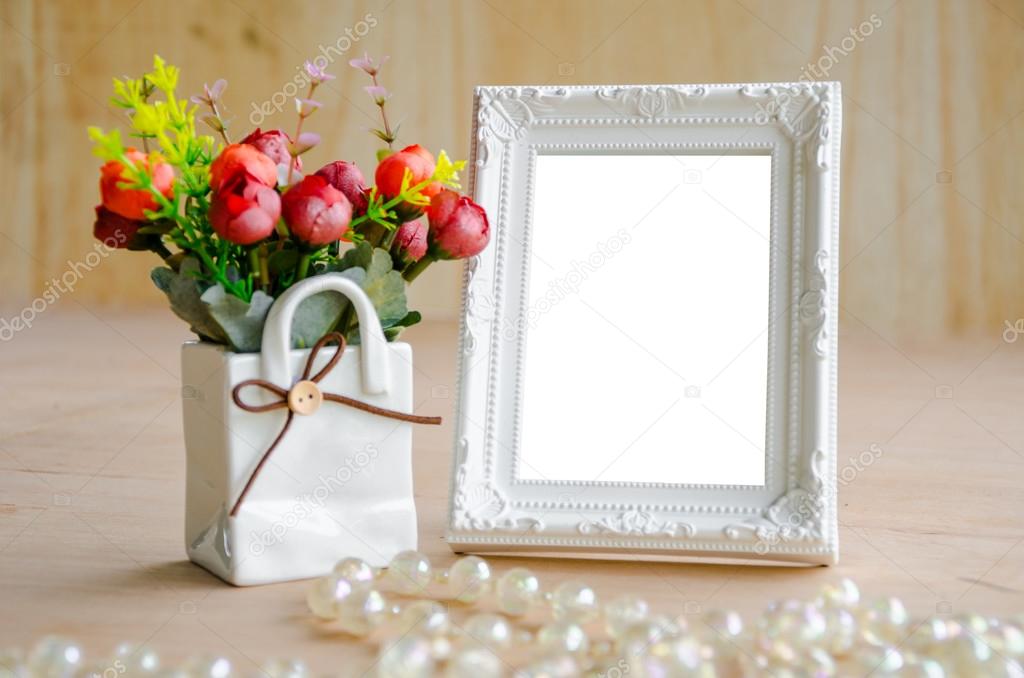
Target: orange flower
<point>132,203</point>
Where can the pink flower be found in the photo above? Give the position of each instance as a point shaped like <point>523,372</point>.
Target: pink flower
<point>349,179</point>
<point>366,64</point>
<point>245,211</point>
<point>378,93</point>
<point>316,74</point>
<point>458,226</point>
<point>273,144</point>
<point>316,212</point>
<point>410,243</point>
<point>242,160</point>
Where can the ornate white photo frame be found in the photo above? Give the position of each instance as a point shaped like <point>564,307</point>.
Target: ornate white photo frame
<point>792,518</point>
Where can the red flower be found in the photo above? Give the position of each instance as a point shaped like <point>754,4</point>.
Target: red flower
<point>274,144</point>
<point>458,226</point>
<point>133,202</point>
<point>242,160</point>
<point>114,230</point>
<point>348,179</point>
<point>316,212</point>
<point>410,243</point>
<point>391,170</point>
<point>245,211</point>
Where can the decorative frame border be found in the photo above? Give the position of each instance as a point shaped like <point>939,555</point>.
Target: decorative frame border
<point>793,517</point>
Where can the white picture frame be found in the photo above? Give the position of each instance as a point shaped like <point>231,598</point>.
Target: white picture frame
<point>792,517</point>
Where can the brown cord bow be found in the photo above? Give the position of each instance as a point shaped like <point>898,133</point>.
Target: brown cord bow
<point>291,401</point>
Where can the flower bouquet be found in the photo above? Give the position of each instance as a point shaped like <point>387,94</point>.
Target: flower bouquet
<point>255,251</point>
<point>239,223</point>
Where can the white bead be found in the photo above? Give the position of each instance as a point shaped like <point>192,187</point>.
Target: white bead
<point>475,662</point>
<point>355,570</point>
<point>135,660</point>
<point>55,657</point>
<point>639,637</point>
<point>410,656</point>
<point>843,593</point>
<point>574,601</point>
<point>488,629</point>
<point>793,622</point>
<point>208,667</point>
<point>563,637</point>
<point>884,621</point>
<point>362,611</point>
<point>285,668</point>
<point>840,631</point>
<point>723,624</point>
<point>408,572</point>
<point>468,578</point>
<point>518,590</point>
<point>423,617</point>
<point>12,664</point>
<point>622,613</point>
<point>552,667</point>
<point>326,593</point>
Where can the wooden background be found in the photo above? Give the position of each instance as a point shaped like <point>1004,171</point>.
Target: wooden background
<point>932,235</point>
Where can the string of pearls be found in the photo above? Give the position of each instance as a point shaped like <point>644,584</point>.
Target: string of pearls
<point>513,627</point>
<point>510,626</point>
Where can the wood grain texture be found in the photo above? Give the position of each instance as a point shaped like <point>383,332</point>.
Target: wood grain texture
<point>932,234</point>
<point>931,453</point>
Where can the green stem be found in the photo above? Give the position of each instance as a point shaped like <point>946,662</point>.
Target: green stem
<point>254,264</point>
<point>264,268</point>
<point>415,269</point>
<point>303,266</point>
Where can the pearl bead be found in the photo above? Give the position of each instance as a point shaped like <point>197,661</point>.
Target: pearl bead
<point>285,668</point>
<point>725,624</point>
<point>518,590</point>
<point>55,657</point>
<point>622,613</point>
<point>574,601</point>
<point>488,629</point>
<point>408,572</point>
<point>326,593</point>
<point>12,664</point>
<point>563,637</point>
<point>794,622</point>
<point>362,611</point>
<point>843,593</point>
<point>641,636</point>
<point>468,578</point>
<point>410,656</point>
<point>208,667</point>
<point>552,667</point>
<point>840,630</point>
<point>475,663</point>
<point>357,571</point>
<point>424,617</point>
<point>136,660</point>
<point>884,621</point>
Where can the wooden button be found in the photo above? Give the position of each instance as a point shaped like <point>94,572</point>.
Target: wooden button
<point>305,398</point>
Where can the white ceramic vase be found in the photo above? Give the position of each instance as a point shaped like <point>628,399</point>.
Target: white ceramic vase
<point>338,484</point>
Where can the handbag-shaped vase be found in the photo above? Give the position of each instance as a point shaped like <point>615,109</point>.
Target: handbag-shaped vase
<point>338,480</point>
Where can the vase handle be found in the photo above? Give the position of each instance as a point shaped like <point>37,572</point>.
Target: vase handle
<point>277,331</point>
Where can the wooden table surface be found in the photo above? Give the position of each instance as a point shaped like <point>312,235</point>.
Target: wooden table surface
<point>92,485</point>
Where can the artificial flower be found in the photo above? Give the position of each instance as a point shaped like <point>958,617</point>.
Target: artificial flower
<point>316,212</point>
<point>365,63</point>
<point>410,243</point>
<point>391,171</point>
<point>245,211</point>
<point>114,230</point>
<point>134,202</point>
<point>458,226</point>
<point>242,160</point>
<point>349,179</point>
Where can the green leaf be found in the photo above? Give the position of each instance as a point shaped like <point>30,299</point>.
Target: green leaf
<point>382,284</point>
<point>282,261</point>
<point>320,313</point>
<point>184,292</point>
<point>383,153</point>
<point>241,321</point>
